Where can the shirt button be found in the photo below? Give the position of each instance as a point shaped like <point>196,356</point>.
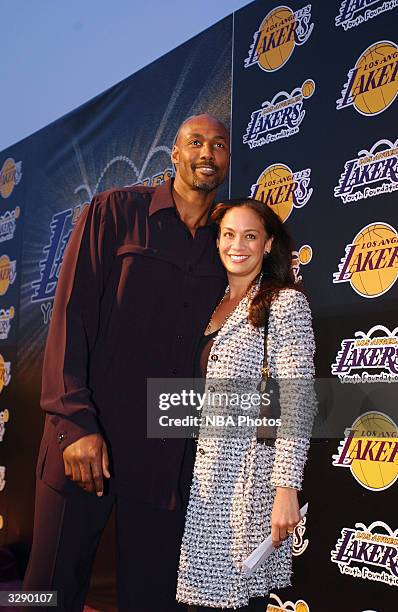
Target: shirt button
<point>214,357</point>
<point>211,388</point>
<point>174,372</point>
<point>186,304</point>
<point>202,451</point>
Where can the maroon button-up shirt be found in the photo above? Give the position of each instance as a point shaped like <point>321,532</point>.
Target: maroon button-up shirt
<point>133,298</point>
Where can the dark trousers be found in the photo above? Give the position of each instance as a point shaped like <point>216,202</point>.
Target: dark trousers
<point>67,529</point>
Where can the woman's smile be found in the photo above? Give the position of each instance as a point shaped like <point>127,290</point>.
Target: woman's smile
<point>238,258</point>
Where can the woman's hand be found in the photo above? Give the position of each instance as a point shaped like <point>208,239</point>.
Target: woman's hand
<point>285,514</point>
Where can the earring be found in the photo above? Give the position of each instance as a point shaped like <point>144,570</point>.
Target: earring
<point>266,253</point>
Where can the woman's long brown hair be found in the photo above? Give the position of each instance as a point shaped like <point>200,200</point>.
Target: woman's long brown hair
<point>277,266</point>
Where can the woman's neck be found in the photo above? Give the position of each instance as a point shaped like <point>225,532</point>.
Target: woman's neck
<point>238,286</point>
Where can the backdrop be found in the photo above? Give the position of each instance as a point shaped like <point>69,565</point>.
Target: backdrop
<point>309,92</point>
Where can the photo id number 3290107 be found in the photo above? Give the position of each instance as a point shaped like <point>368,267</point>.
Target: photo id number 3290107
<point>28,598</point>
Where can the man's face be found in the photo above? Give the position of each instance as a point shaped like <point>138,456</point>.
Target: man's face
<point>201,153</point>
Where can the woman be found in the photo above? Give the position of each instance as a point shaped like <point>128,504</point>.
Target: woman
<point>242,490</point>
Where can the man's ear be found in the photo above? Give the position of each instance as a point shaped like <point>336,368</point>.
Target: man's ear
<point>174,155</point>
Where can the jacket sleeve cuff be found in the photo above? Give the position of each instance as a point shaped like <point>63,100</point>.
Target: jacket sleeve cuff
<point>290,459</point>
<point>68,430</point>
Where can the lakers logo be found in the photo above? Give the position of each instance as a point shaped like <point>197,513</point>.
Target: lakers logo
<point>354,12</point>
<point>301,257</point>
<point>288,606</point>
<point>7,273</point>
<point>370,451</point>
<point>369,357</point>
<point>5,373</point>
<point>156,179</point>
<point>368,552</point>
<point>372,84</point>
<point>10,175</point>
<point>278,118</point>
<point>8,224</point>
<point>370,263</point>
<point>279,32</point>
<point>6,316</point>
<point>372,173</point>
<point>282,189</point>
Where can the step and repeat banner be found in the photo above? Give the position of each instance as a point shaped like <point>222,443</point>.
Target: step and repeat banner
<point>314,136</point>
<point>310,94</point>
<point>122,137</point>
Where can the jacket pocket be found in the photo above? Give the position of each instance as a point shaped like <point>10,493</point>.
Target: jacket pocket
<point>135,249</point>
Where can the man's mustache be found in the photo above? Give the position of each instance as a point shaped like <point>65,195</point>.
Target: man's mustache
<point>207,165</point>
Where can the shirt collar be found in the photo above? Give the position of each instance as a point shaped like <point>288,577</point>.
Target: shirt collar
<point>163,198</point>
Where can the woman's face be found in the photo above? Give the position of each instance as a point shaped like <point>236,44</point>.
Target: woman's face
<point>242,242</point>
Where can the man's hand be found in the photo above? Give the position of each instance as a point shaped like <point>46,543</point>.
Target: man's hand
<point>86,462</point>
<point>285,514</point>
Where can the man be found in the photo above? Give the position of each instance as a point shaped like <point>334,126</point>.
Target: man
<point>139,281</point>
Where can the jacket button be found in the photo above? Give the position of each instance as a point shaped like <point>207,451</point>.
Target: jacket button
<point>61,437</point>
<point>214,357</point>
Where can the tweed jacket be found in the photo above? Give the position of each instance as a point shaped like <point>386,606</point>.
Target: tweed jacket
<point>234,480</point>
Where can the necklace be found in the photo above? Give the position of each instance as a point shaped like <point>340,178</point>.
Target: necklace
<point>210,323</point>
